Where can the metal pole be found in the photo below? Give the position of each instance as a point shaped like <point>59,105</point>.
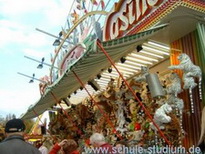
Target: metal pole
<point>125,81</point>
<point>40,62</point>
<point>30,77</point>
<point>57,37</point>
<point>47,33</point>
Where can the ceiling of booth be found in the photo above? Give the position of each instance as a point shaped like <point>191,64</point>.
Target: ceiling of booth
<point>182,21</point>
<point>94,61</point>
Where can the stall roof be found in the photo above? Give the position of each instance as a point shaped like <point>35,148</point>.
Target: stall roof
<point>87,67</point>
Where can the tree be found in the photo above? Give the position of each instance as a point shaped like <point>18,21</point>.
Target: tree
<point>2,120</point>
<point>13,116</point>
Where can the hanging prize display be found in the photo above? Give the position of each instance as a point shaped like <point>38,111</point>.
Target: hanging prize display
<point>190,72</point>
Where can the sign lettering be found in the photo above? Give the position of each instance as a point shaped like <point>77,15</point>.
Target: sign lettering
<point>126,13</point>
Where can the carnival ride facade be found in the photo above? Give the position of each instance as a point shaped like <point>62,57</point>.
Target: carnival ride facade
<point>115,77</point>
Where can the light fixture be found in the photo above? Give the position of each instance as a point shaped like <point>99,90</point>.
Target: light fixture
<point>98,76</point>
<point>94,85</point>
<point>60,34</point>
<point>75,92</point>
<point>133,67</point>
<point>32,80</point>
<point>40,66</point>
<point>122,60</point>
<point>149,53</point>
<point>104,81</point>
<point>66,101</point>
<point>126,72</point>
<point>103,78</point>
<point>159,45</point>
<point>114,74</point>
<point>139,48</point>
<point>155,50</point>
<point>143,57</point>
<point>134,63</point>
<point>121,68</point>
<point>109,70</point>
<point>56,42</point>
<point>81,88</point>
<point>138,60</point>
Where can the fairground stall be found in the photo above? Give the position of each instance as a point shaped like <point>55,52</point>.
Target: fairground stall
<point>131,69</point>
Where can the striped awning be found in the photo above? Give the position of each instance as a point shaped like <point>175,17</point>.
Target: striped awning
<point>87,67</point>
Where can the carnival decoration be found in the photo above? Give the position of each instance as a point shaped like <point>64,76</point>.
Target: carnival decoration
<point>142,77</point>
<point>94,2</point>
<point>173,87</point>
<point>125,113</point>
<point>102,4</point>
<point>97,30</point>
<point>136,135</point>
<point>190,71</point>
<point>155,86</point>
<point>120,117</point>
<point>45,81</point>
<point>81,5</point>
<point>177,104</point>
<point>161,117</point>
<point>144,93</point>
<point>75,15</point>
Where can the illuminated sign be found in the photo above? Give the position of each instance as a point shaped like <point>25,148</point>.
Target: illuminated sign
<point>72,56</point>
<point>127,13</point>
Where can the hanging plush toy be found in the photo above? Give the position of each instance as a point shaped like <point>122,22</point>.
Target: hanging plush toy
<point>142,79</point>
<point>179,106</point>
<point>161,117</point>
<point>120,117</point>
<point>176,102</point>
<point>144,73</point>
<point>174,87</point>
<point>189,72</point>
<point>143,93</point>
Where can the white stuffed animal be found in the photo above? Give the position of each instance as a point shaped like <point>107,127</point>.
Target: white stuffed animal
<point>176,102</point>
<point>190,71</point>
<point>144,73</point>
<point>120,117</point>
<point>174,87</point>
<point>161,117</point>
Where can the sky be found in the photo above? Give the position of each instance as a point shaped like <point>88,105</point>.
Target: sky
<point>19,38</point>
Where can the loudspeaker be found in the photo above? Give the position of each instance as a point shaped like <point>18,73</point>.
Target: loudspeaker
<point>94,85</point>
<point>43,130</point>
